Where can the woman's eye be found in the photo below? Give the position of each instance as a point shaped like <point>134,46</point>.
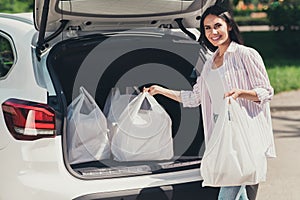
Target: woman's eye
<point>218,25</point>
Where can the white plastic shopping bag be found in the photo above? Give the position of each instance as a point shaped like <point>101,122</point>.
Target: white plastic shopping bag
<point>235,153</point>
<point>86,130</point>
<point>115,105</point>
<point>143,134</point>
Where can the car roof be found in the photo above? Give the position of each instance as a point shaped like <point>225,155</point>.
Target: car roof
<point>21,17</point>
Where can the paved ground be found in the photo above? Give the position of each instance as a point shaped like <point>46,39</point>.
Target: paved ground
<point>283,179</point>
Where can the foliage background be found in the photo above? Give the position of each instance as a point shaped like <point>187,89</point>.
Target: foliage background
<point>279,50</point>
<point>15,6</point>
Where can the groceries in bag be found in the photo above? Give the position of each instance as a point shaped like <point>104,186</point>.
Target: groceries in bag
<point>143,134</point>
<point>87,130</point>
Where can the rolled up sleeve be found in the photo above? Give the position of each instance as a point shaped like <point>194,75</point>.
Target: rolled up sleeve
<point>264,95</point>
<point>258,76</point>
<point>189,99</point>
<point>192,98</point>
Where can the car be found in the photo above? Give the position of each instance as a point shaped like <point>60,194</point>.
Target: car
<point>48,55</point>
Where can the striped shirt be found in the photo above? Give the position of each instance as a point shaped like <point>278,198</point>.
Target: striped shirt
<point>243,69</point>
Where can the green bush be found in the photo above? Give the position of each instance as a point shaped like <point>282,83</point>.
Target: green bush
<point>286,14</point>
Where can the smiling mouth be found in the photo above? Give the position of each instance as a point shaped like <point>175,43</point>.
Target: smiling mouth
<point>216,38</point>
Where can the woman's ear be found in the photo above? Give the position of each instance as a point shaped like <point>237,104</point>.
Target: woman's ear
<point>229,28</point>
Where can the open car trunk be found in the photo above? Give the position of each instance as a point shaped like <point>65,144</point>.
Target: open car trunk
<point>139,58</point>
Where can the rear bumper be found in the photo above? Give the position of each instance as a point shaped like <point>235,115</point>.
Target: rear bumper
<point>190,191</point>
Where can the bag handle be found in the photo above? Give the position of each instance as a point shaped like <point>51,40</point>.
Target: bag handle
<point>153,103</point>
<point>139,101</point>
<point>230,103</point>
<point>88,95</point>
<point>79,100</point>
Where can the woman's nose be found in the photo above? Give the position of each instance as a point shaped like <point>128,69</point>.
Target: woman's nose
<point>214,31</point>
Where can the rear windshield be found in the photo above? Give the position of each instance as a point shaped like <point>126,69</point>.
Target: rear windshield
<point>128,7</point>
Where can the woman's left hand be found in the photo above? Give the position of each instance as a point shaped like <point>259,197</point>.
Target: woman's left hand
<point>234,93</point>
<point>245,94</point>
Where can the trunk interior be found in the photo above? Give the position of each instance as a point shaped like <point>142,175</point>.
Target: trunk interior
<point>101,62</point>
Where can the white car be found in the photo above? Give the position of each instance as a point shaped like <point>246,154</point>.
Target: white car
<point>98,44</point>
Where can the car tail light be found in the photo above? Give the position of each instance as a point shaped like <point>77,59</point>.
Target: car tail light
<point>29,120</point>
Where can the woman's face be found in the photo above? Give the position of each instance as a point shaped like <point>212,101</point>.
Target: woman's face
<point>216,30</point>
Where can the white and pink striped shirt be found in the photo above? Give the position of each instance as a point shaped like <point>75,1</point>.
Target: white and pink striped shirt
<point>243,69</point>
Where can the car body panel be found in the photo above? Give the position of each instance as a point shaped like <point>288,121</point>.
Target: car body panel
<point>20,34</point>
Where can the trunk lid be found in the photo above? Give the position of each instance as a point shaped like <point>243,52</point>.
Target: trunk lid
<point>118,14</point>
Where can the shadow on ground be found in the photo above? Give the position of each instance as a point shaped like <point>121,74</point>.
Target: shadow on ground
<point>286,123</point>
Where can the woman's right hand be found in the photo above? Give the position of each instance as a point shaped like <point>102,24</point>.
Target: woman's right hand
<point>153,89</point>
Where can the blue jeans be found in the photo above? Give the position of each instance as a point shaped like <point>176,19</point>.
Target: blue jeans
<point>233,193</point>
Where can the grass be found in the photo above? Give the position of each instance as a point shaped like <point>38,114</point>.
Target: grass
<point>280,51</point>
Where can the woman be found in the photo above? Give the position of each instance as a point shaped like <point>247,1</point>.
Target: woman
<point>234,70</point>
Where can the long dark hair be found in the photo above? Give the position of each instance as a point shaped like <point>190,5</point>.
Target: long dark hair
<point>221,12</point>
